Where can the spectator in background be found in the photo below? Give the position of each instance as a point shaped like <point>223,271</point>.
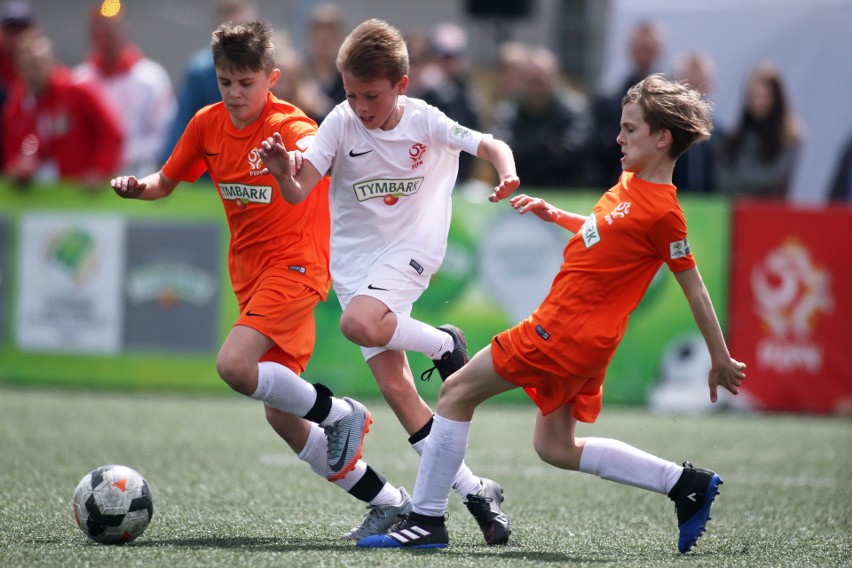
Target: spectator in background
<point>16,18</point>
<point>422,72</point>
<point>841,184</point>
<point>56,128</point>
<point>138,89</point>
<point>512,57</point>
<point>293,85</point>
<point>199,86</point>
<point>547,126</point>
<point>695,170</point>
<point>449,87</point>
<point>645,49</point>
<point>326,30</point>
<point>758,156</point>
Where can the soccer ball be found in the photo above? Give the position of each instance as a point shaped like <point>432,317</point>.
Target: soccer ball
<point>113,504</point>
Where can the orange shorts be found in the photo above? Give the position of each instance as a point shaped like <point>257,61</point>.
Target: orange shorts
<point>283,310</point>
<point>546,382</point>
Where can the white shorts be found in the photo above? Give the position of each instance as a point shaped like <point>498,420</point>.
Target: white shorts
<point>391,287</point>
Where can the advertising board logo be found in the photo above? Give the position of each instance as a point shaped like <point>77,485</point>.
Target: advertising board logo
<point>170,284</point>
<point>73,251</point>
<point>791,294</point>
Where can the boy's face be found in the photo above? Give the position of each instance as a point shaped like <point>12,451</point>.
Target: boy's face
<point>244,92</point>
<point>640,147</point>
<point>374,101</point>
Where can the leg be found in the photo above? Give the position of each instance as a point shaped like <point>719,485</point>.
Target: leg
<point>396,383</point>
<point>692,490</point>
<point>443,455</point>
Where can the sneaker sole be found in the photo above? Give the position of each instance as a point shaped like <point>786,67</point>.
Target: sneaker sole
<point>357,455</point>
<point>384,541</point>
<point>692,529</point>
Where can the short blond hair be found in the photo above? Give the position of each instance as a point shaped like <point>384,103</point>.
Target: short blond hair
<point>374,50</point>
<point>673,106</point>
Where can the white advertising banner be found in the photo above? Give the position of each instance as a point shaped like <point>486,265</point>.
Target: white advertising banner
<point>70,280</point>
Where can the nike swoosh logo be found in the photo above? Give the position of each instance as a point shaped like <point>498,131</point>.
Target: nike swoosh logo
<point>371,287</point>
<point>254,315</point>
<point>342,461</point>
<point>353,154</point>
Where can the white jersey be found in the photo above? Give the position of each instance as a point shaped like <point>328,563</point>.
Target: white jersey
<point>390,189</point>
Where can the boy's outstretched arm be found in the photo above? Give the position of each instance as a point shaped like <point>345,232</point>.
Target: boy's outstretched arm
<point>500,155</point>
<point>725,372</point>
<point>151,187</point>
<point>296,177</point>
<point>547,212</point>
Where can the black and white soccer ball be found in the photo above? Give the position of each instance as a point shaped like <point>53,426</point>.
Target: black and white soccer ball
<point>113,504</point>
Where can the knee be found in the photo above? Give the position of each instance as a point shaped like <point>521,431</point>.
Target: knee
<point>556,455</point>
<point>359,330</point>
<point>237,373</point>
<point>455,399</point>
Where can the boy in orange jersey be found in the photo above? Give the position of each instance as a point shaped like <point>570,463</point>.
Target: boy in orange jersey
<point>278,261</point>
<point>559,355</point>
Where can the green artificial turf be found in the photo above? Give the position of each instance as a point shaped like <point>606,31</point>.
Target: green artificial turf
<point>227,492</point>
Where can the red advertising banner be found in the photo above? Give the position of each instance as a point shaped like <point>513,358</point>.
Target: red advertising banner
<point>791,305</point>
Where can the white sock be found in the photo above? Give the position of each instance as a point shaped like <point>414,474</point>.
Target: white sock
<point>284,390</point>
<point>339,409</point>
<point>413,335</point>
<point>389,495</point>
<point>315,455</point>
<point>465,481</point>
<point>443,455</point>
<point>620,462</point>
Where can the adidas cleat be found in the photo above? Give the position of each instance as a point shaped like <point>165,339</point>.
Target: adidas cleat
<point>693,494</point>
<point>346,440</point>
<point>410,533</point>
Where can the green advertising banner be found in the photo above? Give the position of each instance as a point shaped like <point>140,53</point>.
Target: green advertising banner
<point>498,266</point>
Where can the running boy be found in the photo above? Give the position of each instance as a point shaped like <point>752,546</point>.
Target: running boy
<point>559,355</point>
<point>395,163</point>
<point>278,261</point>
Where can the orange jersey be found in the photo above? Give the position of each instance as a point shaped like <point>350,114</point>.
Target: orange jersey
<point>269,237</point>
<point>633,229</point>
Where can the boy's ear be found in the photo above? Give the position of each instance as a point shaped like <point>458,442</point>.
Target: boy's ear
<point>273,77</point>
<point>664,138</point>
<point>402,86</point>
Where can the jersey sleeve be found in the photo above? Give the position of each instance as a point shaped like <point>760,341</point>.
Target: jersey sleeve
<point>453,134</point>
<point>324,146</point>
<point>186,162</point>
<point>668,237</point>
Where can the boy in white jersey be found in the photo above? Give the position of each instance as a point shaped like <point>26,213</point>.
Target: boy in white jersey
<point>395,161</point>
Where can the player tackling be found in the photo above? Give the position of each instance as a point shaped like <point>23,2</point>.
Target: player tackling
<point>560,354</point>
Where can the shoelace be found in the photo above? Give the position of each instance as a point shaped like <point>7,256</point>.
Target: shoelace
<point>331,434</point>
<point>427,374</point>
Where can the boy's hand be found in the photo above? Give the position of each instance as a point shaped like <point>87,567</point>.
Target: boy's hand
<point>542,209</point>
<point>276,159</point>
<point>505,189</point>
<point>729,376</point>
<point>127,187</point>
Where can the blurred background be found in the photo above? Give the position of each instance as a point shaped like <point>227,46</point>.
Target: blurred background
<point>95,291</point>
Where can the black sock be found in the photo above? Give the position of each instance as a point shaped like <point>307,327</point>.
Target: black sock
<point>422,433</point>
<point>426,519</point>
<point>322,407</point>
<point>369,486</point>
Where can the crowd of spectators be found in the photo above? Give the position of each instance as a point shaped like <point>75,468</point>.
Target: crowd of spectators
<point>563,137</point>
